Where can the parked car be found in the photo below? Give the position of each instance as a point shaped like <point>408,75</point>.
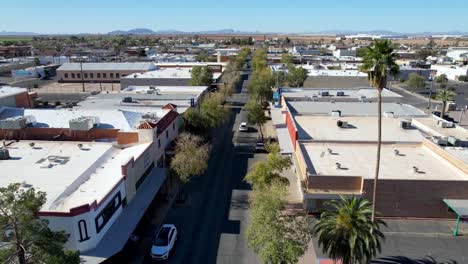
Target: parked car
<point>243,127</point>
<point>164,241</point>
<point>260,148</point>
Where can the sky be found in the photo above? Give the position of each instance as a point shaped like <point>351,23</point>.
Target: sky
<point>293,16</point>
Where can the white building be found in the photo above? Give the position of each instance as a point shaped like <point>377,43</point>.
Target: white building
<point>452,71</point>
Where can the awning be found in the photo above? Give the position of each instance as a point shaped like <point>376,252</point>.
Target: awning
<point>116,237</point>
<point>460,207</point>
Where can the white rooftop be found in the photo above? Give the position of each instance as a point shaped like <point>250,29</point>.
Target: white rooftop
<point>356,93</point>
<point>168,73</point>
<point>359,129</point>
<point>359,160</point>
<point>6,91</point>
<point>166,89</point>
<point>430,125</point>
<point>69,176</point>
<point>352,108</point>
<point>108,66</point>
<point>59,118</point>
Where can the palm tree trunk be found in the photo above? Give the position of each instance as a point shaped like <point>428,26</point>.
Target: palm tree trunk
<point>442,111</point>
<point>379,146</point>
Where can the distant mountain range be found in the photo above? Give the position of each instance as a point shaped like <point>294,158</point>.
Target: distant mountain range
<point>146,31</point>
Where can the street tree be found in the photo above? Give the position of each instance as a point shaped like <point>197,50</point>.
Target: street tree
<point>27,238</point>
<point>287,59</point>
<point>347,232</point>
<point>256,115</point>
<point>416,81</point>
<point>296,76</point>
<point>260,86</point>
<point>264,173</point>
<point>444,96</point>
<point>379,59</point>
<point>259,60</point>
<point>277,237</point>
<point>201,76</point>
<point>191,157</point>
<point>212,110</point>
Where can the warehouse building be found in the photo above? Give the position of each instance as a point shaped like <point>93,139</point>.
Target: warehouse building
<point>100,72</point>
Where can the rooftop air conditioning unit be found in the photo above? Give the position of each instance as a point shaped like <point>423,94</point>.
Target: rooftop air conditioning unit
<point>340,93</point>
<point>127,99</point>
<point>389,114</point>
<point>4,154</point>
<point>325,93</point>
<point>83,123</point>
<point>405,124</point>
<point>17,122</point>
<point>453,141</point>
<point>445,124</point>
<point>335,113</point>
<point>342,124</point>
<point>441,141</point>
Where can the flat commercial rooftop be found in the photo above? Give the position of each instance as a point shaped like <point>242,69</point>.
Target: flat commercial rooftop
<point>358,93</point>
<point>167,73</point>
<point>352,108</point>
<point>108,66</point>
<point>69,175</point>
<point>359,129</point>
<point>359,160</point>
<point>6,91</point>
<point>166,89</point>
<point>59,118</point>
<point>430,126</point>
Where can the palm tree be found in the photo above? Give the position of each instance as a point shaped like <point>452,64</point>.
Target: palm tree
<point>346,232</point>
<point>378,61</point>
<point>444,96</point>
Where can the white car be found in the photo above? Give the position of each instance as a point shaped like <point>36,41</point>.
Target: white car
<point>163,242</point>
<point>243,127</point>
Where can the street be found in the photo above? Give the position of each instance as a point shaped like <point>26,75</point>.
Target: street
<point>214,218</point>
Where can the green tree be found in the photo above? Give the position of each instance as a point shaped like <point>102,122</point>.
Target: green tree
<point>260,86</point>
<point>379,59</point>
<point>275,236</point>
<point>296,76</point>
<point>191,157</point>
<point>416,81</point>
<point>195,122</point>
<point>347,232</point>
<point>264,173</point>
<point>287,58</point>
<point>212,110</point>
<point>28,238</point>
<point>444,96</point>
<point>256,115</point>
<point>201,76</point>
<point>259,60</point>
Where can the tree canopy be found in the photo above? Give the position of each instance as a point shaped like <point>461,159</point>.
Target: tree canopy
<point>277,237</point>
<point>256,115</point>
<point>28,238</point>
<point>416,81</point>
<point>346,231</point>
<point>287,58</point>
<point>201,76</point>
<point>296,76</point>
<point>191,157</point>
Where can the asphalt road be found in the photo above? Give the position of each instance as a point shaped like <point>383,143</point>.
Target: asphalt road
<point>213,220</point>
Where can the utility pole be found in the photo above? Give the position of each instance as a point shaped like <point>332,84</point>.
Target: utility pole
<point>82,77</point>
<point>430,93</point>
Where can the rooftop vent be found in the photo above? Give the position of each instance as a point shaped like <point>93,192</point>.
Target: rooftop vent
<point>84,123</point>
<point>4,154</point>
<point>342,124</point>
<point>338,166</point>
<point>80,146</point>
<point>335,113</point>
<point>405,124</point>
<point>389,114</point>
<point>32,144</point>
<point>127,99</point>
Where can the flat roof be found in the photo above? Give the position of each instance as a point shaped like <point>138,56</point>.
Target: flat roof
<point>165,89</point>
<point>69,176</point>
<point>352,108</point>
<point>359,129</point>
<point>59,118</point>
<point>167,73</point>
<point>359,160</point>
<point>356,93</point>
<point>460,206</point>
<point>430,126</point>
<point>108,66</point>
<point>6,91</point>
<point>460,153</point>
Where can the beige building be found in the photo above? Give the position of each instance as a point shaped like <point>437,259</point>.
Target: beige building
<point>100,72</point>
